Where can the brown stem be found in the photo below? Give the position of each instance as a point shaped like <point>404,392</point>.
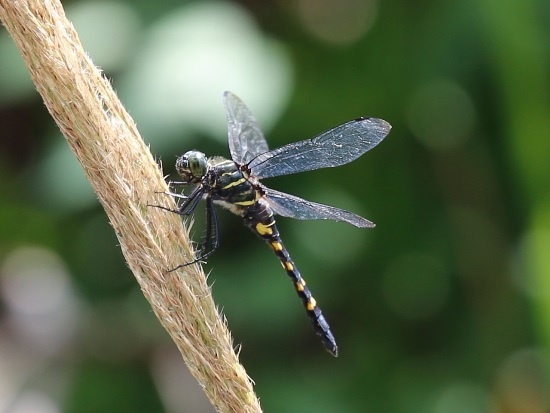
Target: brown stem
<point>126,177</point>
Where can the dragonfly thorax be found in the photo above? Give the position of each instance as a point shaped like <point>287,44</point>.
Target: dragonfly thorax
<point>192,166</point>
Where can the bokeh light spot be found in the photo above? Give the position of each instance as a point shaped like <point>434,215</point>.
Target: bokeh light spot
<point>39,298</point>
<point>522,382</point>
<point>63,184</point>
<point>32,401</point>
<point>337,21</point>
<point>189,58</point>
<point>108,30</point>
<point>441,115</point>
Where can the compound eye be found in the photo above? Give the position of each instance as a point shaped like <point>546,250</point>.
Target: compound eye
<point>191,166</point>
<point>197,164</point>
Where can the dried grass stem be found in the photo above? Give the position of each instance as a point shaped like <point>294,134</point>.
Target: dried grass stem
<point>126,177</point>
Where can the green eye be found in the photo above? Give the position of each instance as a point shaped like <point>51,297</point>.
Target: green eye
<point>192,166</point>
<point>197,163</point>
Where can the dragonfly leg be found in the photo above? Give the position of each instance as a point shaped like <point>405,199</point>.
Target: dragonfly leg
<point>211,240</point>
<point>174,194</point>
<point>177,183</point>
<point>187,207</point>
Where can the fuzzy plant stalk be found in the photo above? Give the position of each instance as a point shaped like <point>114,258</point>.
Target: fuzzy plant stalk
<point>126,178</point>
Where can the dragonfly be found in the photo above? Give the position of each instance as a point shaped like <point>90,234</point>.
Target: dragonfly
<point>235,184</point>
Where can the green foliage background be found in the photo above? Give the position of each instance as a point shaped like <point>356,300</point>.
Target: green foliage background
<point>443,307</point>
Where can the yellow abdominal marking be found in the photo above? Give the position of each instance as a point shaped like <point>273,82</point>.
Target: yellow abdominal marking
<point>288,266</point>
<point>300,285</point>
<point>234,183</point>
<point>276,246</point>
<point>311,304</point>
<point>263,229</point>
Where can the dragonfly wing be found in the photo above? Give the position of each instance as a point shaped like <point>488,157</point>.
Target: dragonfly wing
<point>246,139</point>
<point>294,207</point>
<point>335,147</point>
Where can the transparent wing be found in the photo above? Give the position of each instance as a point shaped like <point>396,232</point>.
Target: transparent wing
<point>246,139</point>
<point>293,207</point>
<point>335,147</point>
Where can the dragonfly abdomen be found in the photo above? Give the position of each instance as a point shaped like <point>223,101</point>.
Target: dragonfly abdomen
<point>260,219</point>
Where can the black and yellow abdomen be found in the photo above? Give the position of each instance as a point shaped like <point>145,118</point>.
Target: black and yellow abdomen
<point>259,218</point>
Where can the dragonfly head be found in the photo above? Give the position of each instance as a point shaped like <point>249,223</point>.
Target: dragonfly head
<point>192,166</point>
